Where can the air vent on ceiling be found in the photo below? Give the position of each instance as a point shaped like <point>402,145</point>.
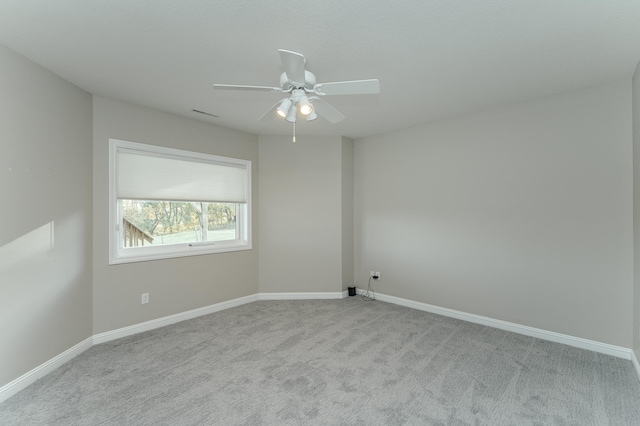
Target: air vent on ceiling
<point>205,113</point>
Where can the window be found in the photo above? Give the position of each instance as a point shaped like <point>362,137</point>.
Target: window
<point>170,203</point>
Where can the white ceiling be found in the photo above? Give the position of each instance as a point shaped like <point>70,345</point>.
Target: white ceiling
<point>434,58</point>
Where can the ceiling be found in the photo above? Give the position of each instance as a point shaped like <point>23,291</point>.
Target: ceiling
<point>434,59</point>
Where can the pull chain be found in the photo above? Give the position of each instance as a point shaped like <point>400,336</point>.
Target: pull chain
<point>294,132</point>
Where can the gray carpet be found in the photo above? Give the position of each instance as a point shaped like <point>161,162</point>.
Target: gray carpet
<point>331,362</point>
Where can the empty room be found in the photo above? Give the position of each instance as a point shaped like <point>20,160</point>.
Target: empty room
<point>320,213</point>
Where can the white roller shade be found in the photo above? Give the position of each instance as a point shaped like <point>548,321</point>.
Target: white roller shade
<point>149,176</point>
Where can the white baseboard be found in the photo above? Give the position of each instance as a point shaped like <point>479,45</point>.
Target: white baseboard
<point>206,310</point>
<point>636,365</point>
<point>12,388</point>
<point>578,342</point>
<point>171,319</point>
<point>302,295</point>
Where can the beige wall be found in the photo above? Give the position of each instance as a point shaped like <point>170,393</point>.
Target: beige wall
<point>45,231</point>
<point>522,213</point>
<point>174,285</point>
<point>636,211</point>
<point>301,214</point>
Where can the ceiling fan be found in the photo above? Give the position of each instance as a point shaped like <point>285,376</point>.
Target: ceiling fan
<point>303,92</point>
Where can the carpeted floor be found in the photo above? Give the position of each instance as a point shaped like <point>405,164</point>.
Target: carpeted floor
<point>331,362</point>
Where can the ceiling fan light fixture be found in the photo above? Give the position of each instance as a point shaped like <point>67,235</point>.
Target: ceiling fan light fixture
<point>305,106</point>
<point>285,108</point>
<point>302,90</point>
<point>291,116</point>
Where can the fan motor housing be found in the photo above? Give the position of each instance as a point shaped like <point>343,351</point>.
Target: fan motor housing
<point>309,82</point>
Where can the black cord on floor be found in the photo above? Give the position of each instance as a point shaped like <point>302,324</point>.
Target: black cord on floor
<point>369,295</point>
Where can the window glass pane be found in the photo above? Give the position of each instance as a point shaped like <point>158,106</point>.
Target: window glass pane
<point>154,223</point>
<point>221,222</point>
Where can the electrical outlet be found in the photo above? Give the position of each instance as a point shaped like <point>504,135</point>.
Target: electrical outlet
<point>145,298</point>
<point>374,274</point>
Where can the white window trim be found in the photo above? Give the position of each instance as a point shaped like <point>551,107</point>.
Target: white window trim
<point>147,253</point>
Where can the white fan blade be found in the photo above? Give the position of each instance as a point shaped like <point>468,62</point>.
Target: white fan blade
<point>293,64</point>
<point>241,87</point>
<point>356,87</point>
<point>327,111</point>
<point>270,114</point>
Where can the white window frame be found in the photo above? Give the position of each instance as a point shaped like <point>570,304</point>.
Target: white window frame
<point>119,254</point>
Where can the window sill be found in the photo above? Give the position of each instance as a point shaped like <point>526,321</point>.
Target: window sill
<point>145,254</point>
